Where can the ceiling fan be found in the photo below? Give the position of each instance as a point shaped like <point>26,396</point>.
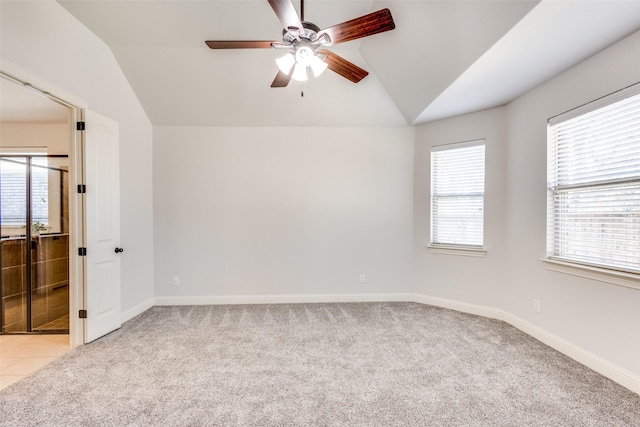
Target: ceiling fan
<point>305,43</point>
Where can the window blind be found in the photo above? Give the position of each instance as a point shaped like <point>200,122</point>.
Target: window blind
<point>13,191</point>
<point>594,184</point>
<point>40,190</point>
<point>457,194</point>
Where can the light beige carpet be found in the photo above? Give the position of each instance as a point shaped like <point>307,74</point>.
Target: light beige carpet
<point>360,364</point>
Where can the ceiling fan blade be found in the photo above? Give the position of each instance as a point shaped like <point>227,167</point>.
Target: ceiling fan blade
<point>367,25</point>
<point>240,44</point>
<point>346,69</point>
<point>281,80</point>
<point>286,13</point>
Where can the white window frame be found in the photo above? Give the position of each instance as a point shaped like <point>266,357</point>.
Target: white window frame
<point>451,245</point>
<point>567,258</point>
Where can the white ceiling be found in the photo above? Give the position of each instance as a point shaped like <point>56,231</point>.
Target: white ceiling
<point>444,58</point>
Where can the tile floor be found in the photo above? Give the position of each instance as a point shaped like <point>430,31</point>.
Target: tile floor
<point>21,355</point>
<point>61,323</point>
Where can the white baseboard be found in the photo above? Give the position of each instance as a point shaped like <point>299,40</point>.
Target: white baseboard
<point>592,361</point>
<point>598,364</point>
<point>480,310</point>
<point>280,299</point>
<point>135,310</point>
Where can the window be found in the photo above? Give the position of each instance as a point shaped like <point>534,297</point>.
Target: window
<point>457,195</point>
<point>13,190</point>
<point>594,184</point>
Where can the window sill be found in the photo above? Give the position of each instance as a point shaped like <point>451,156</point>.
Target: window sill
<point>620,278</point>
<point>456,250</point>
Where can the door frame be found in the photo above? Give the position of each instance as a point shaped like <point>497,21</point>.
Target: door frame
<point>76,176</point>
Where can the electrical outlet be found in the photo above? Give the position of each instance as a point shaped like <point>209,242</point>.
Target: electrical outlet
<point>362,278</point>
<point>536,305</point>
<point>176,281</point>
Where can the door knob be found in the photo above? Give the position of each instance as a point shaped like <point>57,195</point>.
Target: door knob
<point>118,250</point>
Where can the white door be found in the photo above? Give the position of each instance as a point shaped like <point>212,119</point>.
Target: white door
<point>102,222</point>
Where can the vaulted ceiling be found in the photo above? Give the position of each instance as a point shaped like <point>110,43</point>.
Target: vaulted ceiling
<point>444,58</point>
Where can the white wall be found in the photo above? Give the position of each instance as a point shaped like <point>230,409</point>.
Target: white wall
<point>43,38</point>
<point>53,138</point>
<point>282,211</point>
<point>601,319</point>
<point>453,276</point>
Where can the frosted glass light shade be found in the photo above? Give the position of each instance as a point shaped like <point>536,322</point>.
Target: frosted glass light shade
<point>318,66</point>
<point>304,55</point>
<point>300,73</point>
<point>285,63</point>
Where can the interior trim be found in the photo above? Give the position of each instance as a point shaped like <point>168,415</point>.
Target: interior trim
<point>460,251</point>
<point>129,314</point>
<point>604,367</point>
<point>281,299</point>
<point>620,278</point>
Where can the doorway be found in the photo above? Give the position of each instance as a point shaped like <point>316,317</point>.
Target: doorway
<point>35,142</point>
<point>91,147</point>
<point>35,243</point>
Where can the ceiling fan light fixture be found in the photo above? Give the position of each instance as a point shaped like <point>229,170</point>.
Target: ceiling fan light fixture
<point>300,73</point>
<point>324,38</point>
<point>303,39</point>
<point>318,66</point>
<point>304,55</point>
<point>286,62</point>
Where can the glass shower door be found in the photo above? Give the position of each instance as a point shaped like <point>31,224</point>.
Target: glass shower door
<point>13,185</point>
<point>35,245</point>
<point>50,245</point>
